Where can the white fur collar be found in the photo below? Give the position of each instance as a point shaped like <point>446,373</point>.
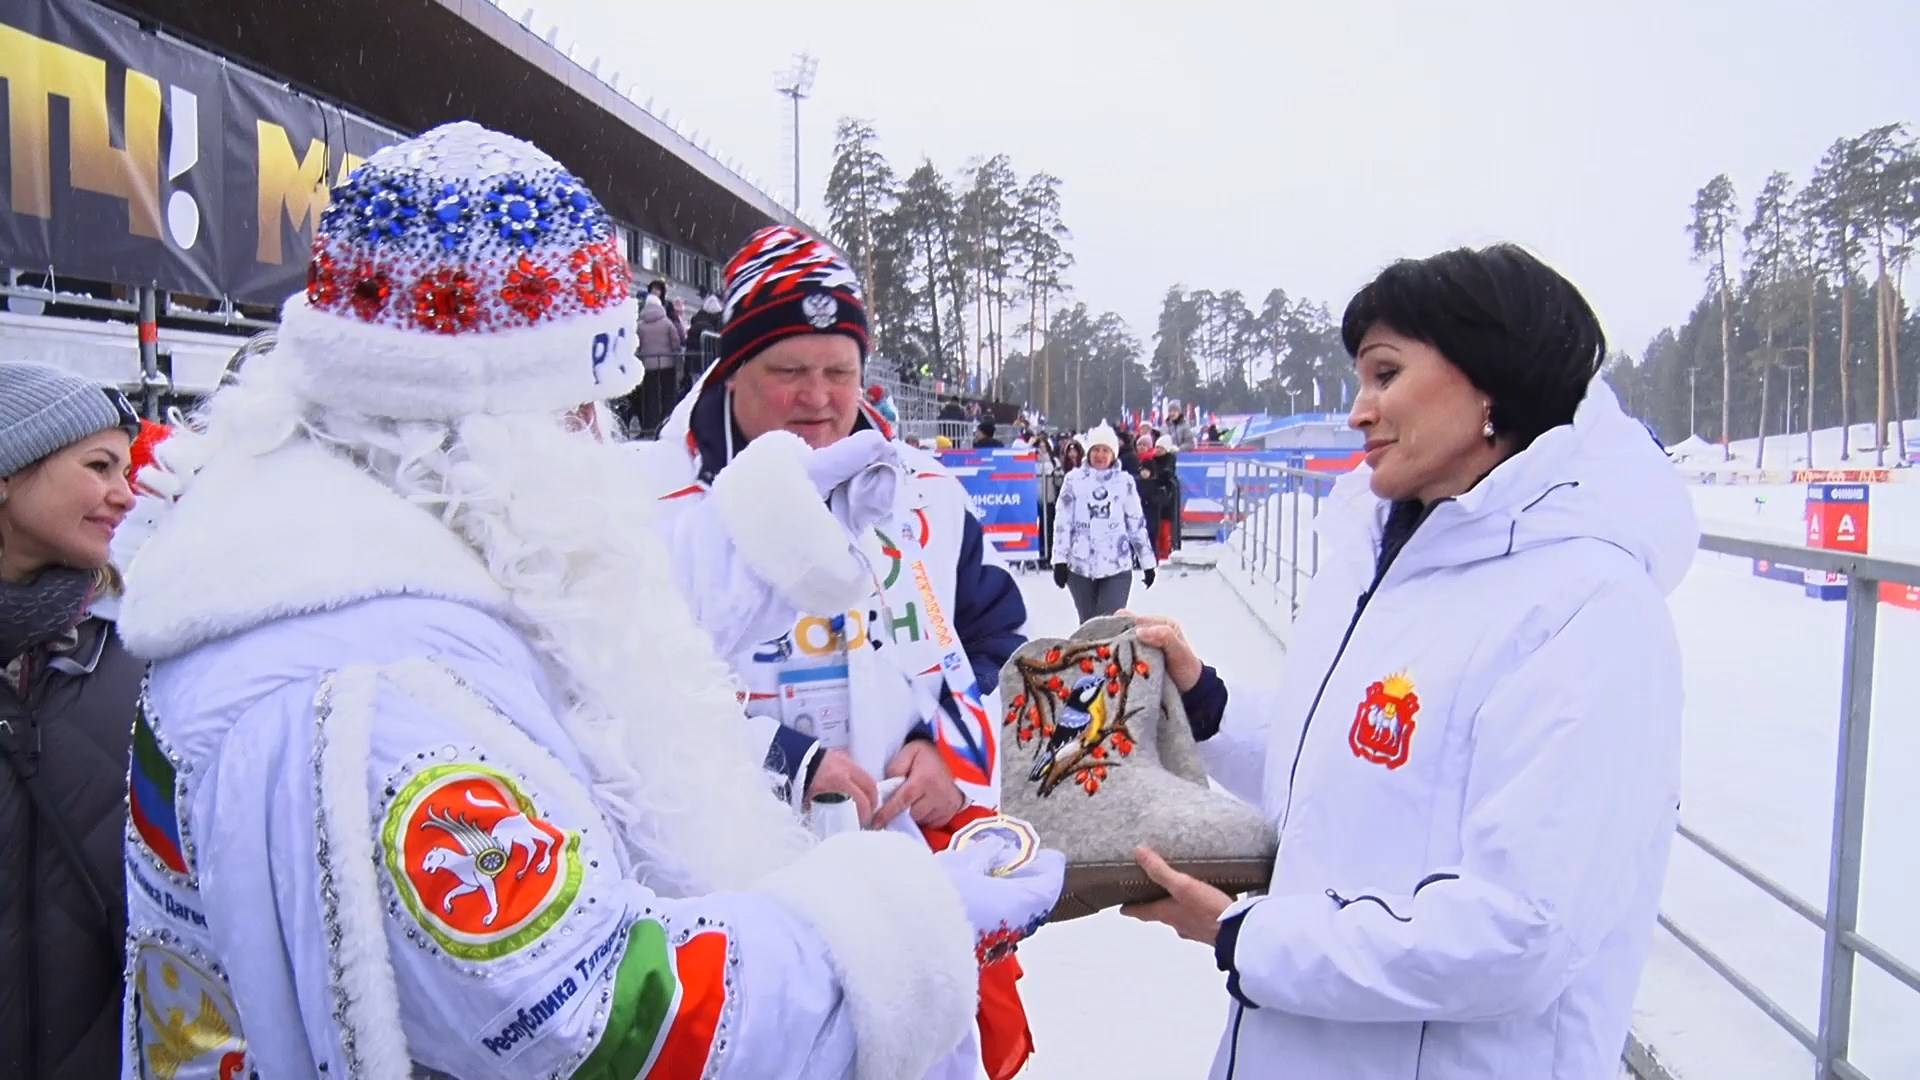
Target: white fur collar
<point>294,531</point>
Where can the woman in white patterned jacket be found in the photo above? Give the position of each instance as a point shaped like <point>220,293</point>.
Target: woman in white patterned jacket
<point>1099,531</point>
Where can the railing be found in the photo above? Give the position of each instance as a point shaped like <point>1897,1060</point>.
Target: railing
<point>1267,505</point>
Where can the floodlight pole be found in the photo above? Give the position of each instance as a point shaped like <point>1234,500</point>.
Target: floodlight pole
<point>797,85</point>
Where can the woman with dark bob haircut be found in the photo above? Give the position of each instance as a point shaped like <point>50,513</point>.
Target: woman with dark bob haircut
<point>1472,758</point>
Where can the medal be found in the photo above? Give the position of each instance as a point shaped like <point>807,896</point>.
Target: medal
<point>1019,840</point>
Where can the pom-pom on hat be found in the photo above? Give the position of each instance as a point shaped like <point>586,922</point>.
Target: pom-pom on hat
<point>782,283</point>
<point>140,455</point>
<point>1101,435</point>
<point>460,272</point>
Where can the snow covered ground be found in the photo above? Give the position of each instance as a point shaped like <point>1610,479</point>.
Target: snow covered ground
<point>1763,674</point>
<point>1789,451</point>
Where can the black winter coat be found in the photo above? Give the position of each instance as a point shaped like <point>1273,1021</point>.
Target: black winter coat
<point>701,323</point>
<point>62,929</point>
<point>1159,485</point>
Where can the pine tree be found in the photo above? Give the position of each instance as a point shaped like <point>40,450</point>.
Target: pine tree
<point>927,217</point>
<point>859,194</point>
<point>1271,329</point>
<point>1769,244</point>
<point>1882,157</point>
<point>1809,252</point>
<point>1173,370</point>
<point>1713,210</point>
<point>1039,238</point>
<point>988,207</point>
<point>1836,206</point>
<point>1905,181</point>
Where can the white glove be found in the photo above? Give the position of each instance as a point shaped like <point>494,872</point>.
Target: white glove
<point>1003,910</point>
<point>860,477</point>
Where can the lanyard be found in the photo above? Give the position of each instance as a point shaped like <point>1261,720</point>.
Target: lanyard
<point>965,736</point>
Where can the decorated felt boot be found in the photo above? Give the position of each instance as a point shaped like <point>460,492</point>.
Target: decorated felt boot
<point>1099,758</point>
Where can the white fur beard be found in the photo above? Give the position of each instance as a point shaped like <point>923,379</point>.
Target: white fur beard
<point>552,514</point>
<point>653,707</point>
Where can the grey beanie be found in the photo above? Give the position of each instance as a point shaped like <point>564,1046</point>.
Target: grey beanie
<point>43,409</point>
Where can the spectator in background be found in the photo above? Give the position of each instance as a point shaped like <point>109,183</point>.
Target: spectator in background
<point>1160,497</point>
<point>952,410</point>
<point>659,289</point>
<point>1213,436</point>
<point>1047,466</point>
<point>1043,454</point>
<point>883,404</point>
<point>1099,536</point>
<point>659,353</point>
<point>1179,429</point>
<point>1128,455</point>
<point>984,439</point>
<point>1072,454</point>
<point>1150,467</point>
<point>705,321</point>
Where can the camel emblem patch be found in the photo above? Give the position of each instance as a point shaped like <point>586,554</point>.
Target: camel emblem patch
<point>1382,729</point>
<point>474,862</point>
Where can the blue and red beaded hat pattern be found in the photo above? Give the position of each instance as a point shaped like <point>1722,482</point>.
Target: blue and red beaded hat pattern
<point>411,244</point>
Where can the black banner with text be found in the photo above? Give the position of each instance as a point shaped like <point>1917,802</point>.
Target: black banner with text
<point>144,161</point>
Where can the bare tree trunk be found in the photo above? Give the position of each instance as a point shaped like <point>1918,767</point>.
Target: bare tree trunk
<point>1079,379</point>
<point>1766,373</point>
<point>1000,324</point>
<point>1812,292</point>
<point>1046,351</point>
<point>1893,374</point>
<point>997,325</point>
<point>979,304</point>
<point>1846,376</point>
<point>933,301</point>
<point>1726,367</point>
<point>1881,399</point>
<point>1033,329</point>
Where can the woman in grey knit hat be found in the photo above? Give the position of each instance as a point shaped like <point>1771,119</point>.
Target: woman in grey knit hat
<point>67,698</point>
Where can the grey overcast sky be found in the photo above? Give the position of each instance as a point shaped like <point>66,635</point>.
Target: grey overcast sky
<point>1253,145</point>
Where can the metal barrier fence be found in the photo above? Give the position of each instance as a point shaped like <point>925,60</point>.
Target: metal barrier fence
<point>1266,505</point>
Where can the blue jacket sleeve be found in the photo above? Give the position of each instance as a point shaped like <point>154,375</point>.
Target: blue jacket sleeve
<point>989,611</point>
<point>794,757</point>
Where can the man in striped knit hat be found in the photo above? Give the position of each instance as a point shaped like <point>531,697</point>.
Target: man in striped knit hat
<point>886,700</point>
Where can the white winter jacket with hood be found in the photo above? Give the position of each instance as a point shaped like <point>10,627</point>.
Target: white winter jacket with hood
<point>1474,769</point>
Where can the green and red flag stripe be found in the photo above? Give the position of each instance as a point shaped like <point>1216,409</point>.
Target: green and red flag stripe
<point>667,1004</point>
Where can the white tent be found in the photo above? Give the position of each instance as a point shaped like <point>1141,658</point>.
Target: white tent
<point>1693,447</point>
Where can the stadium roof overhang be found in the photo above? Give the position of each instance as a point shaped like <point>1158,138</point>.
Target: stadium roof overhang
<point>412,64</point>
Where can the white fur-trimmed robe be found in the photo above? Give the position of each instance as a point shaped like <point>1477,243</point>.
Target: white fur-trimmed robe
<point>318,641</point>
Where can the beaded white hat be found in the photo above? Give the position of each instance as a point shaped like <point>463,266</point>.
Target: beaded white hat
<point>461,272</point>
